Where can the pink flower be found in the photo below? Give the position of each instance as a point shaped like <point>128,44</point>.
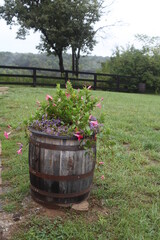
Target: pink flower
<point>48,97</point>
<point>9,126</point>
<point>101,163</point>
<point>98,105</point>
<point>81,98</point>
<point>6,135</point>
<point>94,123</point>
<point>102,99</point>
<point>54,105</point>
<point>67,95</point>
<point>90,116</point>
<point>79,136</point>
<point>89,87</point>
<point>102,177</point>
<point>19,151</point>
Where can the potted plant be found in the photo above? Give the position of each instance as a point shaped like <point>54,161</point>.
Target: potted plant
<point>62,147</point>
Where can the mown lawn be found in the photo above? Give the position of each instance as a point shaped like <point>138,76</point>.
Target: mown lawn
<point>126,204</point>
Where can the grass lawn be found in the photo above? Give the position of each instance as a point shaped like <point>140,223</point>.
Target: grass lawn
<point>125,205</point>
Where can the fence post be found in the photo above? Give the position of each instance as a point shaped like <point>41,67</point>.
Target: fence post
<point>95,81</point>
<point>34,77</point>
<point>118,83</point>
<point>66,76</point>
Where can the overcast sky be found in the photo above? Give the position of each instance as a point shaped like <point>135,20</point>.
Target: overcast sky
<point>136,16</point>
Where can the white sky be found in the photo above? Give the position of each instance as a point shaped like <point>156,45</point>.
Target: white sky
<point>136,16</point>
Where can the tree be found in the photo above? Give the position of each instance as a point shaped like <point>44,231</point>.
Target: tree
<point>144,64</point>
<point>82,34</point>
<point>62,23</point>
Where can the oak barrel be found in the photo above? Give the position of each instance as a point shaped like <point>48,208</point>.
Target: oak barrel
<point>61,170</point>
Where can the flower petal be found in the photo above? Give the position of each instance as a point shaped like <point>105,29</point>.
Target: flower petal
<point>48,97</point>
<point>102,177</point>
<point>98,105</point>
<point>6,135</point>
<point>19,151</point>
<point>101,163</point>
<point>94,123</point>
<point>78,136</point>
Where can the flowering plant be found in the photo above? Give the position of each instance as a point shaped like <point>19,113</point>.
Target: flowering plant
<point>67,113</point>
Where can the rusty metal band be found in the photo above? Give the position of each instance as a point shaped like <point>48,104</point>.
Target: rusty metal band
<point>59,195</point>
<point>58,147</point>
<point>51,205</point>
<point>60,178</point>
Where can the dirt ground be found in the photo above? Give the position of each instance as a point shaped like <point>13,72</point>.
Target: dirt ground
<point>3,90</point>
<point>9,223</point>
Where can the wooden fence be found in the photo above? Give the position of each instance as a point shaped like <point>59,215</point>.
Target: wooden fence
<point>50,77</point>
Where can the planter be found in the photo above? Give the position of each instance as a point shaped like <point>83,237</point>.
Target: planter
<point>61,171</point>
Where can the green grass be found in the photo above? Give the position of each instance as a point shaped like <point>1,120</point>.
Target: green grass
<point>131,189</point>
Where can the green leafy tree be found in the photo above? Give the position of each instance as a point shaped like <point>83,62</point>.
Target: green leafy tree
<point>48,17</point>
<point>62,24</point>
<point>144,64</point>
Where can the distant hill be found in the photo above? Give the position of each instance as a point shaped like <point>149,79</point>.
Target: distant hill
<point>87,63</point>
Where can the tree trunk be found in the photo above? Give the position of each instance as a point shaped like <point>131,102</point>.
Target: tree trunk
<point>73,60</point>
<point>61,66</point>
<point>77,62</point>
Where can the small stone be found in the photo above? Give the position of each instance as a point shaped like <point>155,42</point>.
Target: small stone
<point>16,217</point>
<point>103,201</point>
<point>83,206</point>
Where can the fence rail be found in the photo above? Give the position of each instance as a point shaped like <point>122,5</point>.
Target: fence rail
<point>49,77</point>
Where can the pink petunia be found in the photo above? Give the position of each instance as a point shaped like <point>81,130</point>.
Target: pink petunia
<point>78,135</point>
<point>48,97</point>
<point>19,151</point>
<point>6,135</point>
<point>101,163</point>
<point>94,123</point>
<point>102,177</point>
<point>89,87</point>
<point>98,105</point>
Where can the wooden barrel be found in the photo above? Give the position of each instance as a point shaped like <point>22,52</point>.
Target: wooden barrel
<point>61,171</point>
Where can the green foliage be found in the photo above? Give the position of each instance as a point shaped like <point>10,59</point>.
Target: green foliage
<point>87,63</point>
<point>57,229</point>
<point>62,24</point>
<point>144,64</point>
<point>71,107</point>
